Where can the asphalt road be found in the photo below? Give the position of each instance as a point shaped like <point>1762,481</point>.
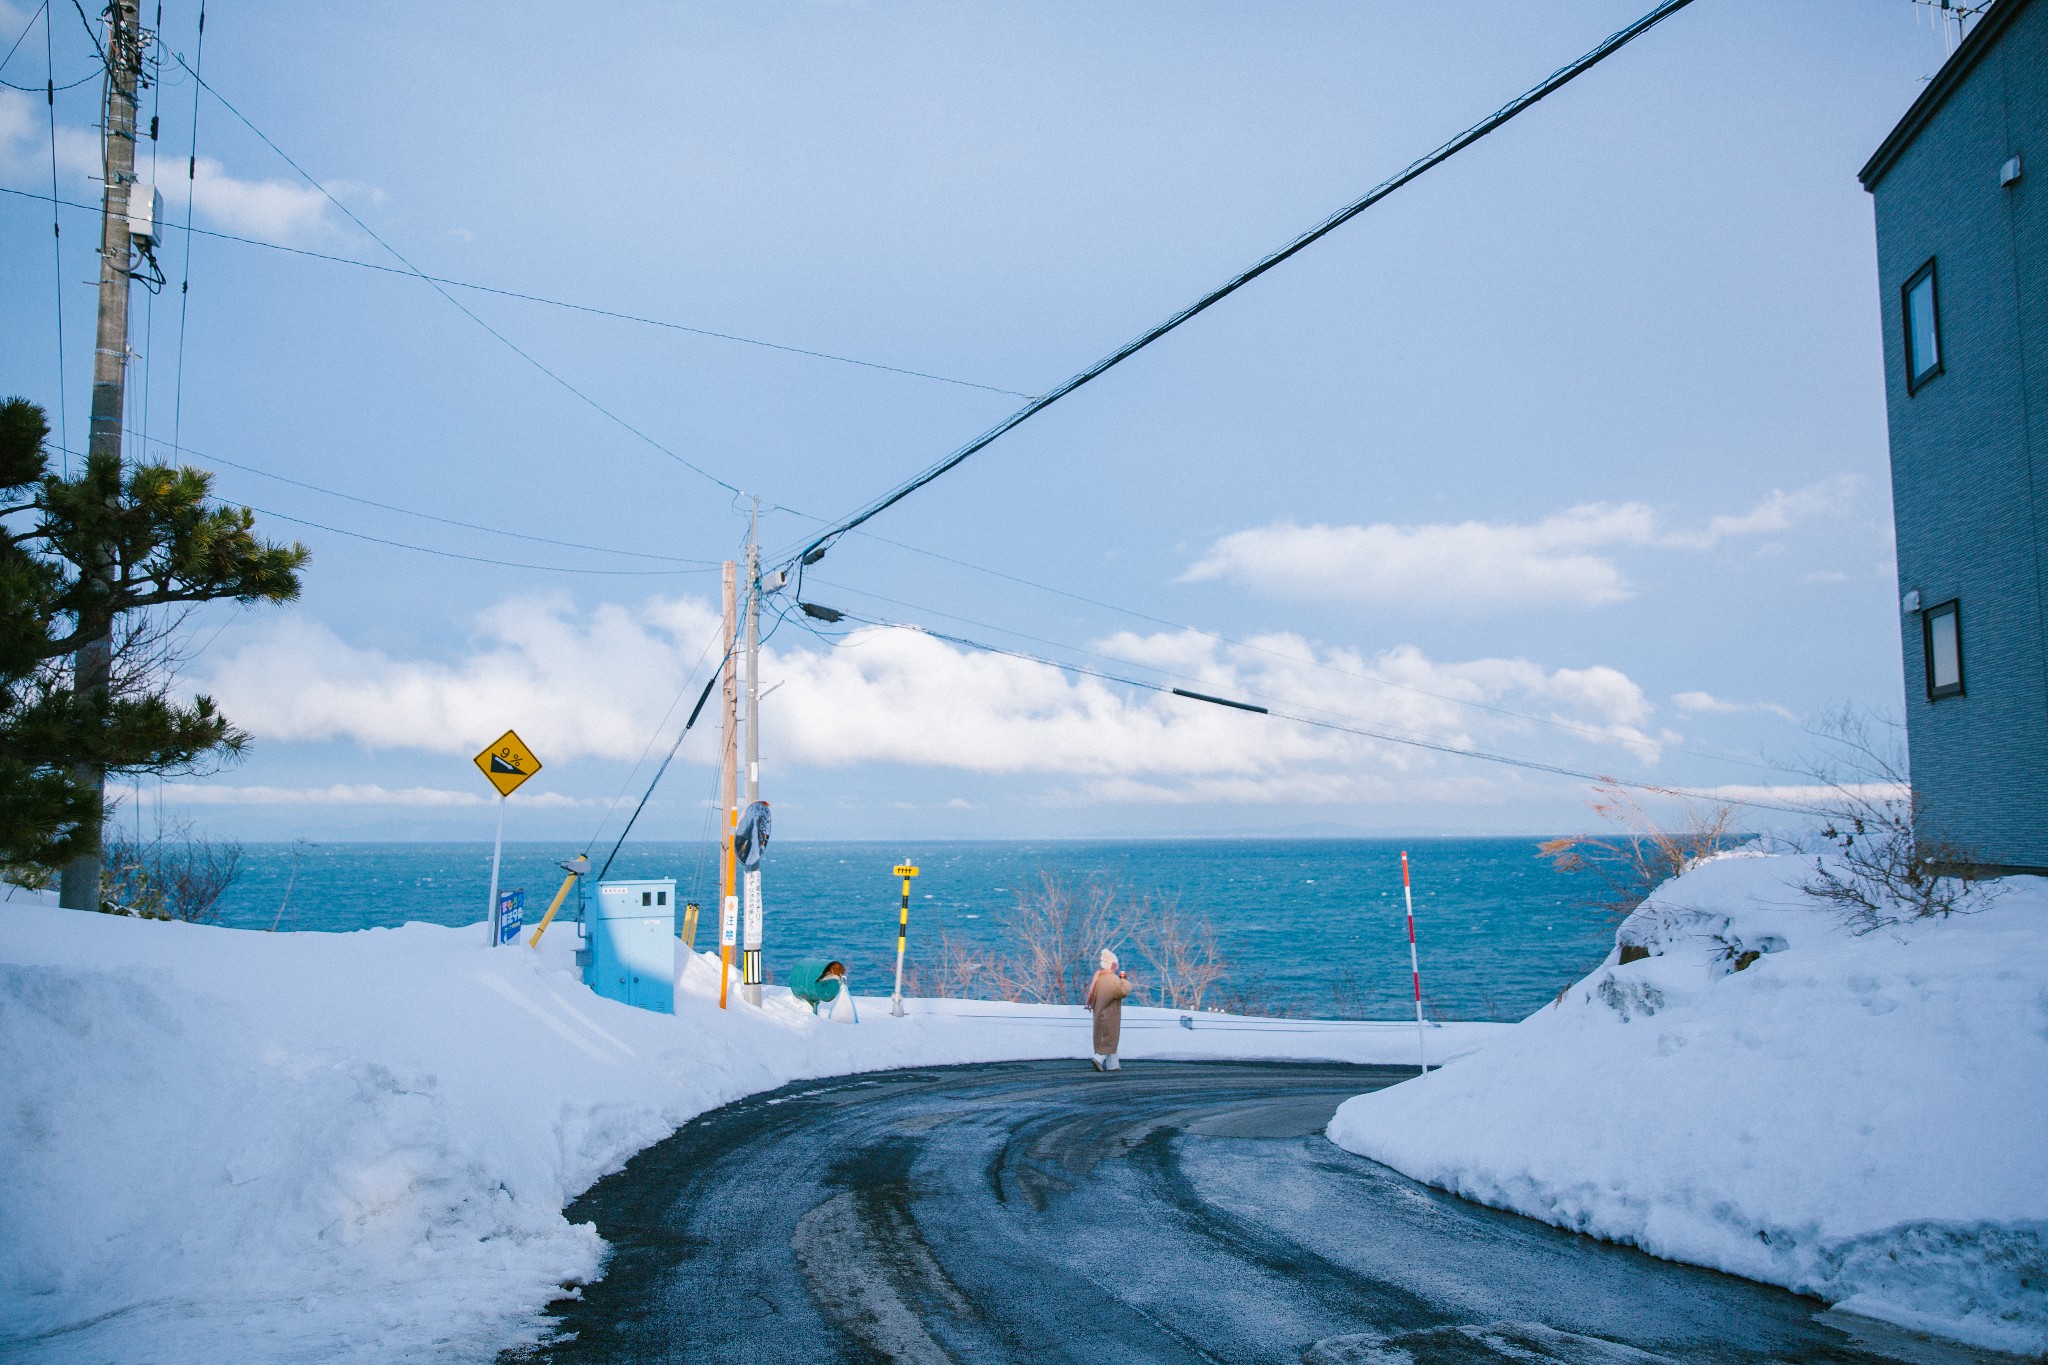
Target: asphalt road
<point>1168,1212</point>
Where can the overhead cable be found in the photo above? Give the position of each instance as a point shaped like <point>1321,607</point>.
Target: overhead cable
<point>1362,731</point>
<point>660,725</point>
<point>429,516</point>
<point>185,284</point>
<point>1592,732</point>
<point>414,270</point>
<point>695,711</point>
<point>42,10</point>
<point>451,554</point>
<point>56,232</point>
<point>573,307</point>
<point>52,85</point>
<point>1562,76</point>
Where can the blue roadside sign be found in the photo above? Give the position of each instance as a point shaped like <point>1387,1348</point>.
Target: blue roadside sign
<point>511,915</point>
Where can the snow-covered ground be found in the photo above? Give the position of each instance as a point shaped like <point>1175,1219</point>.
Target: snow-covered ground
<point>1864,1119</point>
<point>225,1145</point>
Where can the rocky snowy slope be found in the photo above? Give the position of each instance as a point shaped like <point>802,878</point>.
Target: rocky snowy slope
<point>1859,1117</point>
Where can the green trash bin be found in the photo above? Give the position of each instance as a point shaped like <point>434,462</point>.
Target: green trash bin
<point>816,981</point>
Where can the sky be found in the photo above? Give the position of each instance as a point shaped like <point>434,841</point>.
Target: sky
<point>1573,450</point>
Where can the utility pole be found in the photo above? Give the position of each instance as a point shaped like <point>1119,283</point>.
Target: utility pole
<point>79,888</point>
<point>750,954</point>
<point>728,786</point>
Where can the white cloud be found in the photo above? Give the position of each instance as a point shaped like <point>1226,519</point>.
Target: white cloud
<point>574,687</point>
<point>25,146</point>
<point>1469,564</point>
<point>1567,559</point>
<point>598,683</point>
<point>274,210</point>
<point>346,794</point>
<point>1707,704</point>
<point>279,209</point>
<point>1779,511</point>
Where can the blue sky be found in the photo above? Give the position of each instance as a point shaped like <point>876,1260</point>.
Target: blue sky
<point>1573,450</point>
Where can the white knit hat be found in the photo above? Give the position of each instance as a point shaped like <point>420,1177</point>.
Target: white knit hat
<point>1108,960</point>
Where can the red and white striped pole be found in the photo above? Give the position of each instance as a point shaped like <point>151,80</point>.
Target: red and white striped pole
<point>1414,964</point>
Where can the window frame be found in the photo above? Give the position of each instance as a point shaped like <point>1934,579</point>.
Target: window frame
<point>1953,607</point>
<point>1927,272</point>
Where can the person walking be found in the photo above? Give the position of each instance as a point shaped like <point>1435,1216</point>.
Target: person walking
<point>1106,999</point>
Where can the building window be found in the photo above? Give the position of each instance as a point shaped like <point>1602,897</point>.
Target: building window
<point>1942,629</point>
<point>1923,328</point>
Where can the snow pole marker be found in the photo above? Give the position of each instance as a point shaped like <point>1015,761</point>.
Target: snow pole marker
<point>1414,966</point>
<point>906,870</point>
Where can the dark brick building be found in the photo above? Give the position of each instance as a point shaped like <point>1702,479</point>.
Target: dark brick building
<point>1961,194</point>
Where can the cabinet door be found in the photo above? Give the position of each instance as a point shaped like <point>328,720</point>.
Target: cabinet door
<point>652,959</point>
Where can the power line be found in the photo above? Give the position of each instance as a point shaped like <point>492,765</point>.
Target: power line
<point>191,189</point>
<point>1168,673</point>
<point>43,9</point>
<point>443,292</point>
<point>58,89</point>
<point>573,307</point>
<point>156,105</point>
<point>1614,43</point>
<point>429,516</point>
<point>89,32</point>
<point>1312,662</point>
<point>1364,732</point>
<point>450,554</point>
<point>660,725</point>
<point>56,232</point>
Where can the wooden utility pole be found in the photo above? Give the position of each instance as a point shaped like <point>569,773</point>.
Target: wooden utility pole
<point>728,786</point>
<point>750,950</point>
<point>79,888</point>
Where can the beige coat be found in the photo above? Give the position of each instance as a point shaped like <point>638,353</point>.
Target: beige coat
<point>1106,997</point>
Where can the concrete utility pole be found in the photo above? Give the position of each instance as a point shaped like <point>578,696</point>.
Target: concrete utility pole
<point>79,888</point>
<point>728,785</point>
<point>750,955</point>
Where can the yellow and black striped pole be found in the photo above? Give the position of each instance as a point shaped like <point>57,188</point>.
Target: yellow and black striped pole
<point>906,871</point>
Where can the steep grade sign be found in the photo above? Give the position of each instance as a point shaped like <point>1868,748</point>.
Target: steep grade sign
<point>507,763</point>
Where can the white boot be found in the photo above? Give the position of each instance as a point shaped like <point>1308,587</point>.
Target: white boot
<point>1110,1063</point>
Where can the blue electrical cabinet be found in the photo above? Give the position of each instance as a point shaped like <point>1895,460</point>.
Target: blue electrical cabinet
<point>632,951</point>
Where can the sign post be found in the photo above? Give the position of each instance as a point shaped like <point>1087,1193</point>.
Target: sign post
<point>505,765</point>
<point>906,871</point>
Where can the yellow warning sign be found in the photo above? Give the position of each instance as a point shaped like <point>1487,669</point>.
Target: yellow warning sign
<point>905,870</point>
<point>507,763</point>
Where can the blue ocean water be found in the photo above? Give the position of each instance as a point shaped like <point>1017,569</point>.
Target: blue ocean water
<point>1311,926</point>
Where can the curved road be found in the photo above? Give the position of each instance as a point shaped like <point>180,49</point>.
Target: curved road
<point>1168,1212</point>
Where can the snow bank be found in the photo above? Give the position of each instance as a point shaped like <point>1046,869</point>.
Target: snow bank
<point>1864,1119</point>
<point>225,1145</point>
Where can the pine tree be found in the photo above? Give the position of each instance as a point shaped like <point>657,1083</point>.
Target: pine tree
<point>158,542</point>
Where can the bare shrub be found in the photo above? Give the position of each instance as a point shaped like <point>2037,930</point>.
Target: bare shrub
<point>953,970</point>
<point>1179,947</point>
<point>1349,996</point>
<point>1890,862</point>
<point>172,875</point>
<point>1642,853</point>
<point>1249,993</point>
<point>1054,932</point>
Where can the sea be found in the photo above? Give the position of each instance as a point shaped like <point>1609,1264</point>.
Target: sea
<point>1308,927</point>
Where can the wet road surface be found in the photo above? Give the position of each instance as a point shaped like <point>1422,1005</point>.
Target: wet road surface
<point>1168,1212</point>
